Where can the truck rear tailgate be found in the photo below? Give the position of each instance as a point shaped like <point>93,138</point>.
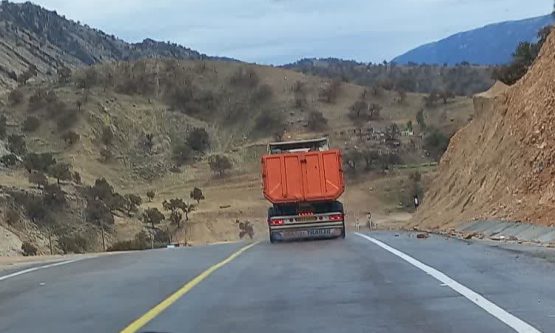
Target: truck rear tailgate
<point>303,176</point>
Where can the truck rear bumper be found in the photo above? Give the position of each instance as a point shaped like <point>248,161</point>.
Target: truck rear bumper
<point>307,231</point>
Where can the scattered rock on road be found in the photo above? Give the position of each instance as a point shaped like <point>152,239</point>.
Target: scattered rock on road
<point>422,236</point>
<point>470,235</point>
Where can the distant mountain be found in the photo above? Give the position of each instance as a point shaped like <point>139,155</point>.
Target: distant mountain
<point>489,45</point>
<point>33,36</point>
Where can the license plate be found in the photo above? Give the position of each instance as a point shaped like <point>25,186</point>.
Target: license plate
<point>319,232</point>
<point>308,233</point>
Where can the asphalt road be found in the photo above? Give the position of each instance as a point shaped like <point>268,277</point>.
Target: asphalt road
<point>351,285</point>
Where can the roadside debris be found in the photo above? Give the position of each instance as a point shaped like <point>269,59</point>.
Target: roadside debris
<point>422,235</point>
<point>470,235</point>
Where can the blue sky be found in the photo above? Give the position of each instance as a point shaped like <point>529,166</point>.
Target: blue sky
<point>282,31</point>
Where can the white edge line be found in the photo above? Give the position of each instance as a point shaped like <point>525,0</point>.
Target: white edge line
<point>32,269</point>
<point>490,307</point>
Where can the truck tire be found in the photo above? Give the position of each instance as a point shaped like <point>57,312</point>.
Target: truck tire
<point>271,213</point>
<point>343,232</point>
<point>338,207</point>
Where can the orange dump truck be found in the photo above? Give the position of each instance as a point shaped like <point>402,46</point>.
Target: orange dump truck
<point>303,180</point>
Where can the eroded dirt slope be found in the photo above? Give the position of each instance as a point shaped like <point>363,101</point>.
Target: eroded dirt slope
<point>501,165</point>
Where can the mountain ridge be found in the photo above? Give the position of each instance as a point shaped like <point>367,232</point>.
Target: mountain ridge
<point>43,41</point>
<point>468,46</point>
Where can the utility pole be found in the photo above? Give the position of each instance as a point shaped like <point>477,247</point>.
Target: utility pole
<point>169,234</point>
<point>103,238</point>
<point>50,241</point>
<point>152,235</point>
<point>157,76</point>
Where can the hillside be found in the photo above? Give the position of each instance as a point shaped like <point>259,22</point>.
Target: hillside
<point>461,79</point>
<point>489,45</point>
<point>157,124</point>
<point>501,166</point>
<point>40,42</point>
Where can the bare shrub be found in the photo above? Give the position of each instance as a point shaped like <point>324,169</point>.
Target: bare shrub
<point>29,249</point>
<point>244,77</point>
<point>316,121</point>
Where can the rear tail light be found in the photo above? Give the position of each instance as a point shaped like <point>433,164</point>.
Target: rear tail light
<point>277,222</point>
<point>336,217</point>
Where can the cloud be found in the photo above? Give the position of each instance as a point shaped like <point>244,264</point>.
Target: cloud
<point>278,31</point>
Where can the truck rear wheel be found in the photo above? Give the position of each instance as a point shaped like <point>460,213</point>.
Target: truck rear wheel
<point>343,232</point>
<point>271,213</point>
<point>338,207</point>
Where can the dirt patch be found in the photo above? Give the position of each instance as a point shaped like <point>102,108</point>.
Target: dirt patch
<point>20,261</point>
<point>10,244</point>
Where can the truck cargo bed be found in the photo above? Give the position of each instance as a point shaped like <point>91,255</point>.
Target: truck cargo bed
<point>302,176</point>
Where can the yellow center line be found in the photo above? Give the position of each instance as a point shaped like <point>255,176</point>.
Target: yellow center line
<point>155,311</point>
